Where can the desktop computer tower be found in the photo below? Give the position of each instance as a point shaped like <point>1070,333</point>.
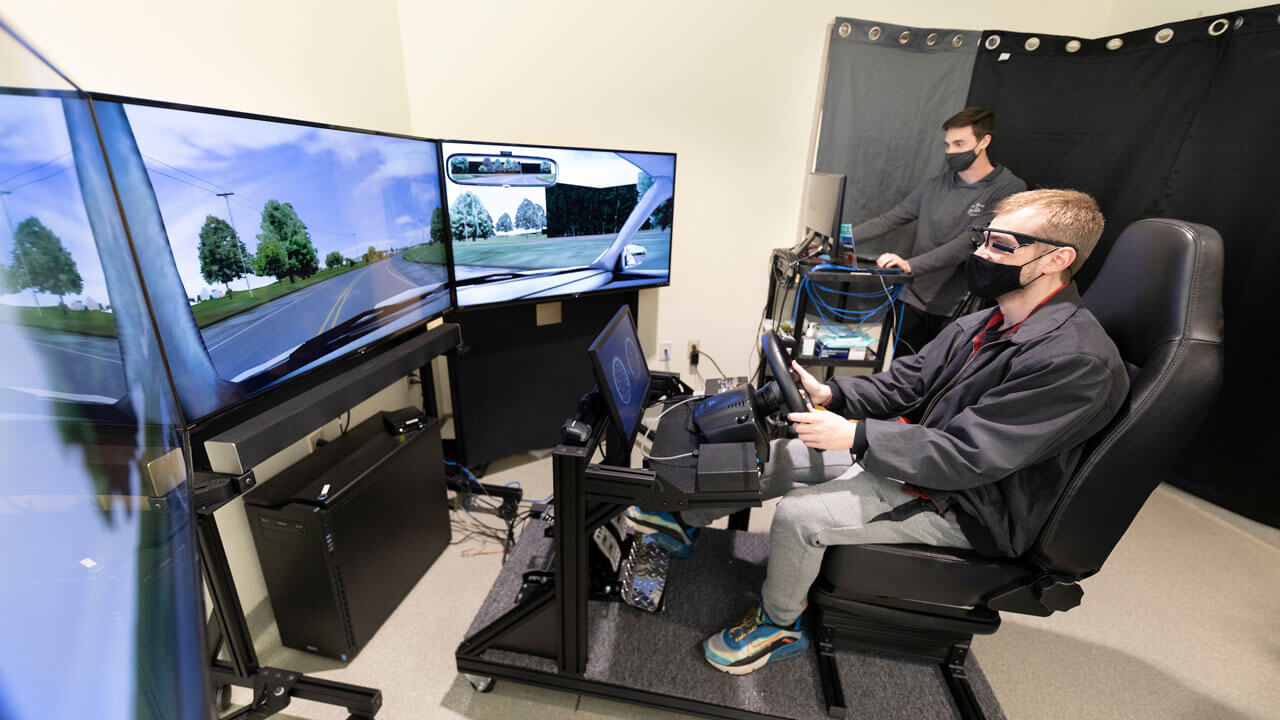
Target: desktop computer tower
<point>344,534</point>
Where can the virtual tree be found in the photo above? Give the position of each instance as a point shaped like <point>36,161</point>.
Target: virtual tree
<point>280,223</point>
<point>504,223</point>
<point>271,260</point>
<point>223,257</point>
<point>437,225</point>
<point>530,215</point>
<point>40,262</point>
<point>468,218</point>
<point>333,259</point>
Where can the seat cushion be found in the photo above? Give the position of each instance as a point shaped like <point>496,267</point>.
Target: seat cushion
<point>917,574</point>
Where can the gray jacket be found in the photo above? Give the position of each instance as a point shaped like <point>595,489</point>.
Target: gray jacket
<point>943,207</point>
<point>996,434</point>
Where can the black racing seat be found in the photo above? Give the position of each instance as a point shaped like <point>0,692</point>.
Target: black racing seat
<point>1159,297</point>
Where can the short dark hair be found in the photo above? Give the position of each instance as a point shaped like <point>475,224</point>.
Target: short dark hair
<point>982,120</point>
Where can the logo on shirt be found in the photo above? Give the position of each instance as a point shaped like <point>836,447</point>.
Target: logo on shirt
<point>977,208</point>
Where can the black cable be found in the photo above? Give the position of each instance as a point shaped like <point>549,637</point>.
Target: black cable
<point>347,424</point>
<point>713,362</point>
<point>37,167</point>
<point>39,179</point>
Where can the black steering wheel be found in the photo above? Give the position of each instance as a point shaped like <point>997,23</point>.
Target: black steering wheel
<point>782,372</point>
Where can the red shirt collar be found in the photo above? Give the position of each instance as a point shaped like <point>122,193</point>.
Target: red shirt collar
<point>998,317</point>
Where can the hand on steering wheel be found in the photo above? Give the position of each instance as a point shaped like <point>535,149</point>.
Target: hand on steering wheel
<point>791,396</point>
<point>818,392</point>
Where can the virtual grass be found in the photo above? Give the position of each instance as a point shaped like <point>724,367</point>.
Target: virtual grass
<point>541,252</point>
<point>209,312</point>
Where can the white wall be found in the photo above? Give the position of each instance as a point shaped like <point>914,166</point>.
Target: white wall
<point>731,87</point>
<point>329,61</point>
<point>1129,15</point>
<point>320,60</point>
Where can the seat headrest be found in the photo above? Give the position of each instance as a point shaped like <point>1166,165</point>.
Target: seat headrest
<point>1152,263</point>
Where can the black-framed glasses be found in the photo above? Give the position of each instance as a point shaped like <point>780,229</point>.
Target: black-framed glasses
<point>994,238</point>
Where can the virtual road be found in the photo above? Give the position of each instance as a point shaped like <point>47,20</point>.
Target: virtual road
<point>247,340</point>
<point>84,368</point>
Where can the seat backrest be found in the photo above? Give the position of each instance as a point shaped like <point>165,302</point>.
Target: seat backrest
<point>1159,297</point>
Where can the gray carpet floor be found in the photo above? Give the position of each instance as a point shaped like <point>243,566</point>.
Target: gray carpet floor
<point>661,652</point>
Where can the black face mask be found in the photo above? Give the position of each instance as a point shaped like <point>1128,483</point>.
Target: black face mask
<point>988,279</point>
<point>961,160</point>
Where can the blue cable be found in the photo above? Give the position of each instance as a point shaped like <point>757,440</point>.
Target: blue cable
<point>464,470</point>
<point>812,291</point>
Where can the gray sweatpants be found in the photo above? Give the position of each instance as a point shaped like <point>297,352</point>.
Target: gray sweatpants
<point>826,500</point>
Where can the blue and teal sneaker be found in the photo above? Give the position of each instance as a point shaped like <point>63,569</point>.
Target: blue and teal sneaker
<point>665,529</point>
<point>754,643</point>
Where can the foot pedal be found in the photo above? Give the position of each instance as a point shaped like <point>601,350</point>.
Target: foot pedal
<point>644,574</point>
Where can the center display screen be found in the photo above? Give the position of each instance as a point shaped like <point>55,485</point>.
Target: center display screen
<point>542,222</point>
<point>296,244</point>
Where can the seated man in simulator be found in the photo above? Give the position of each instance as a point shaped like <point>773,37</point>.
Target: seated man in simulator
<point>966,444</point>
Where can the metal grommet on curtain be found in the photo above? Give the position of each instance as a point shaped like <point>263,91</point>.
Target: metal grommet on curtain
<point>844,29</point>
<point>931,40</point>
<point>1164,35</point>
<point>958,40</point>
<point>905,37</point>
<point>1217,27</point>
<point>874,33</point>
<point>993,42</point>
<point>1073,46</point>
<point>1031,44</point>
<point>1115,44</point>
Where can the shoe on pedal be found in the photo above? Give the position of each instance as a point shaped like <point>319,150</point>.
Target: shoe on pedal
<point>665,529</point>
<point>753,643</point>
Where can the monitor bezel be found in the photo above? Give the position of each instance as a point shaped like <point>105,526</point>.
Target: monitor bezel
<point>602,382</point>
<point>260,400</point>
<point>453,281</point>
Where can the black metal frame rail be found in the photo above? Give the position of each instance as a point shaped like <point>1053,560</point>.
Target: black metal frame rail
<point>586,497</point>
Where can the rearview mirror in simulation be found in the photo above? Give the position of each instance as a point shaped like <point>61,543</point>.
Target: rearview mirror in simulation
<point>503,170</point>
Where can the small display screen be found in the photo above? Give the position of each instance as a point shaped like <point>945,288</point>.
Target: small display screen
<point>542,222</point>
<point>621,371</point>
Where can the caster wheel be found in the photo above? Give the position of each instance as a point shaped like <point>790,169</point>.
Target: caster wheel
<point>479,683</point>
<point>222,697</point>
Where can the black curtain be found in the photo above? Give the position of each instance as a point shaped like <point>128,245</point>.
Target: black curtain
<point>1107,122</point>
<point>1177,120</point>
<point>1227,175</point>
<point>889,88</point>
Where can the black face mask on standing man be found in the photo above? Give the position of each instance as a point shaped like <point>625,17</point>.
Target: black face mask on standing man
<point>960,161</point>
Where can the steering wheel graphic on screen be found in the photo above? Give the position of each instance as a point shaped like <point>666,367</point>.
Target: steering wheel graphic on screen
<point>621,380</point>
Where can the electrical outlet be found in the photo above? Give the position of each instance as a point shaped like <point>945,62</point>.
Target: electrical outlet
<point>313,438</point>
<point>693,345</point>
<point>664,350</point>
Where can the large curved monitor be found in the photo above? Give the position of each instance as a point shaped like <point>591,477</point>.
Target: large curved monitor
<point>535,223</point>
<point>279,246</point>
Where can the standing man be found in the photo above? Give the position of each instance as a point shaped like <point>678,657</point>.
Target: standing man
<point>943,207</point>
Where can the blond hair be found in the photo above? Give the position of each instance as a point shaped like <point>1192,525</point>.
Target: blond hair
<point>1066,216</point>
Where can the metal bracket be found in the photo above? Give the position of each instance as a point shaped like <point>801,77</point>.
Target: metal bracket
<point>272,691</point>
